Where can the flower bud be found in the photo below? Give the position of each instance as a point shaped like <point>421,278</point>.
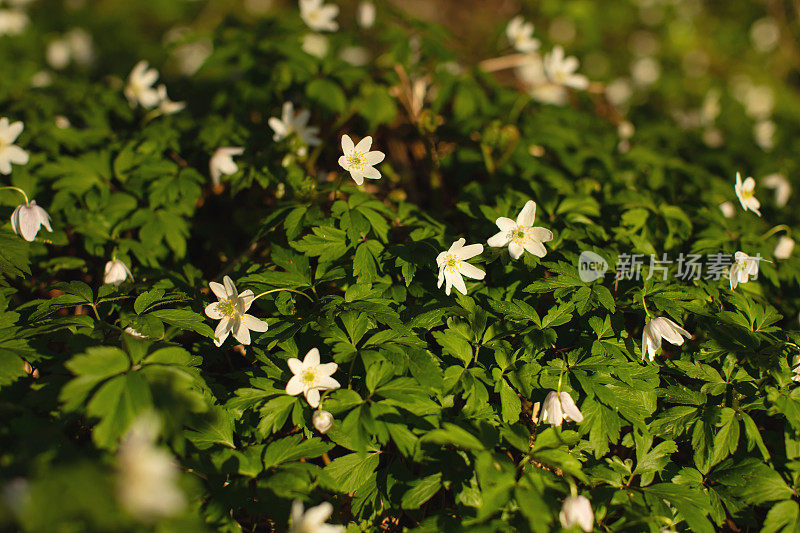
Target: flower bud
<point>116,272</point>
<point>323,421</point>
<point>577,511</point>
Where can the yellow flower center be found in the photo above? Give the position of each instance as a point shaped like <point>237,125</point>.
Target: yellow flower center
<point>357,160</point>
<point>309,377</point>
<point>452,263</point>
<point>228,307</point>
<point>522,235</point>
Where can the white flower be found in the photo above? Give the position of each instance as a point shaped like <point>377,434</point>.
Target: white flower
<point>134,333</point>
<point>784,247</point>
<point>520,35</point>
<point>453,264</point>
<point>746,194</point>
<point>521,235</point>
<point>577,511</point>
<point>42,78</point>
<point>10,152</point>
<point>661,328</point>
<point>743,268</point>
<point>27,219</point>
<point>116,273</point>
<point>366,14</point>
<point>319,16</point>
<point>231,311</point>
<point>541,89</point>
<point>796,370</point>
<point>561,70</point>
<point>139,89</point>
<point>322,420</point>
<point>58,54</point>
<point>222,163</point>
<point>313,520</point>
<point>358,56</point>
<point>191,56</point>
<point>315,44</point>
<point>12,21</point>
<point>75,45</point>
<point>359,161</point>
<point>783,189</point>
<point>728,209</point>
<point>764,134</point>
<point>310,377</point>
<point>165,105</point>
<point>297,123</point>
<point>560,407</point>
<point>147,480</point>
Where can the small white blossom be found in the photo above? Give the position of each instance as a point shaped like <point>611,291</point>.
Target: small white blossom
<point>165,105</point>
<point>366,14</point>
<point>728,209</point>
<point>520,35</point>
<point>783,189</point>
<point>784,248</point>
<point>322,420</point>
<point>134,333</point>
<point>315,44</point>
<point>222,163</point>
<point>558,408</point>
<point>319,16</point>
<point>10,152</point>
<point>661,328</point>
<point>521,235</point>
<point>764,134</point>
<point>140,90</point>
<point>359,161</point>
<point>745,191</point>
<point>561,70</point>
<point>75,45</point>
<point>231,311</point>
<point>539,85</point>
<point>26,220</point>
<point>453,265</point>
<point>13,21</point>
<point>292,122</point>
<point>358,56</point>
<point>310,377</point>
<point>577,511</point>
<point>313,520</point>
<point>116,273</point>
<point>743,268</point>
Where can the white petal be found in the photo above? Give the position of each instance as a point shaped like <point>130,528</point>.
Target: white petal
<point>542,234</point>
<point>213,311</point>
<point>571,411</point>
<point>230,288</point>
<point>295,365</point>
<point>506,224</point>
<point>527,215</point>
<point>456,281</point>
<point>328,383</point>
<point>347,146</point>
<point>499,240</point>
<point>311,358</point>
<point>364,144</point>
<point>294,386</point>
<point>373,158</point>
<point>536,248</point>
<point>470,251</point>
<point>515,250</point>
<point>218,289</point>
<point>312,397</point>
<point>240,332</point>
<point>255,324</point>
<point>471,271</point>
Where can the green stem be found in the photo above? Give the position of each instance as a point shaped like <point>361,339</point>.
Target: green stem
<point>644,304</point>
<point>19,191</point>
<point>560,381</point>
<point>278,290</point>
<point>776,229</point>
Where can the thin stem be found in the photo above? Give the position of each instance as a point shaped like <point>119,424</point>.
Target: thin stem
<point>776,229</point>
<point>644,304</point>
<point>560,381</point>
<point>18,190</point>
<point>94,308</point>
<point>277,290</point>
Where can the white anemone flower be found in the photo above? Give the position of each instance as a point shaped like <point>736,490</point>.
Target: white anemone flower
<point>661,328</point>
<point>313,520</point>
<point>561,70</point>
<point>116,273</point>
<point>13,21</point>
<point>359,161</point>
<point>27,219</point>
<point>784,248</point>
<point>541,89</point>
<point>520,35</point>
<point>222,162</point>
<point>744,268</point>
<point>319,16</point>
<point>310,377</point>
<point>231,311</point>
<point>10,152</point>
<point>746,192</point>
<point>783,189</point>
<point>521,235</point>
<point>728,209</point>
<point>165,105</point>
<point>558,408</point>
<point>294,123</point>
<point>577,511</point>
<point>140,90</point>
<point>366,14</point>
<point>322,420</point>
<point>453,264</point>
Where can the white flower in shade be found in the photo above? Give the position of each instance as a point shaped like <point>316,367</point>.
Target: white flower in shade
<point>313,520</point>
<point>661,328</point>
<point>310,377</point>
<point>561,70</point>
<point>322,420</point>
<point>521,235</point>
<point>140,90</point>
<point>315,44</point>
<point>10,152</point>
<point>134,333</point>
<point>743,269</point>
<point>58,54</point>
<point>27,219</point>
<point>764,134</point>
<point>75,45</point>
<point>222,163</point>
<point>359,161</point>
<point>231,311</point>
<point>541,89</point>
<point>520,35</point>
<point>453,264</point>
<point>366,14</point>
<point>577,511</point>
<point>784,248</point>
<point>558,408</point>
<point>783,189</point>
<point>292,122</point>
<point>358,56</point>
<point>147,479</point>
<point>116,273</point>
<point>728,209</point>
<point>746,192</point>
<point>319,16</point>
<point>165,105</point>
<point>12,21</point>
